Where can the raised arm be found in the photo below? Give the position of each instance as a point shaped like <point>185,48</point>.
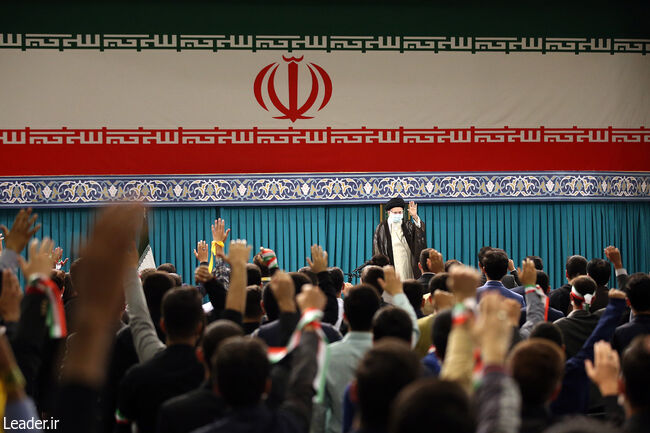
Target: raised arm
<point>535,298</point>
<point>318,265</point>
<point>16,239</point>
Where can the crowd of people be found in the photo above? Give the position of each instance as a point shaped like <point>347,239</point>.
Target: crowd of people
<point>108,347</point>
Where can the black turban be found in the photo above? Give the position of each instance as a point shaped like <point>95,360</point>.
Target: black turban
<point>395,202</point>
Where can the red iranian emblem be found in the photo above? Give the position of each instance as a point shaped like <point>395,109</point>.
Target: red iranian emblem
<point>293,111</point>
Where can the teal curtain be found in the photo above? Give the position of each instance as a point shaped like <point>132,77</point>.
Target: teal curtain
<point>553,231</point>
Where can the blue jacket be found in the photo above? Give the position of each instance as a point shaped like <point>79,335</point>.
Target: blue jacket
<point>498,286</point>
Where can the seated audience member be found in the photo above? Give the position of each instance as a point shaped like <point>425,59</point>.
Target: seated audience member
<point>360,306</point>
<point>370,275</point>
<point>560,298</point>
<point>638,293</point>
<point>271,333</point>
<point>173,371</point>
<point>600,270</point>
<point>200,406</point>
<point>580,322</point>
<point>494,266</point>
<point>537,365</point>
<point>253,313</point>
<point>382,373</point>
<point>413,291</point>
<point>550,313</point>
<point>241,377</point>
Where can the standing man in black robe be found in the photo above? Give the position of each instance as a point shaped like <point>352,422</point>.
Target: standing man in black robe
<point>401,239</point>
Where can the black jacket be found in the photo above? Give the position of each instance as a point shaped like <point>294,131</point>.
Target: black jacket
<point>414,235</point>
<point>576,328</point>
<point>191,410</point>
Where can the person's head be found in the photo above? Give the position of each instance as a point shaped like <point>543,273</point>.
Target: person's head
<point>393,322</point>
<point>154,286</point>
<point>600,270</point>
<point>370,275</point>
<point>381,374</point>
<point>537,261</point>
<point>167,267</point>
<point>313,278</point>
<point>360,306</point>
<point>495,264</point>
<point>440,332</point>
<point>395,210</point>
<point>424,256</point>
<point>58,277</point>
<point>178,281</point>
<point>543,281</point>
<point>253,309</point>
<point>264,270</point>
<point>451,263</point>
<point>575,266</point>
<point>241,371</point>
<point>548,331</point>
<point>269,302</point>
<point>215,333</point>
<point>438,282</point>
<point>481,253</point>
<point>413,291</point>
<point>638,292</point>
<point>636,374</point>
<point>380,260</point>
<point>146,272</point>
<point>253,275</point>
<point>582,290</point>
<point>537,365</point>
<point>336,274</point>
<point>182,315</point>
<point>430,399</point>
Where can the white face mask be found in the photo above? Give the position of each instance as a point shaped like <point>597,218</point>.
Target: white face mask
<point>395,218</point>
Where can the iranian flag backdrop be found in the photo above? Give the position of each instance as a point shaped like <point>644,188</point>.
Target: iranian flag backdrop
<point>176,93</point>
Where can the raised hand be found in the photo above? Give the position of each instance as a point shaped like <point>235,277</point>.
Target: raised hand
<point>202,251</point>
<point>413,210</point>
<point>311,297</point>
<point>318,262</point>
<point>435,262</point>
<point>527,273</point>
<point>391,282</point>
<point>40,258</point>
<point>605,369</point>
<point>238,253</point>
<point>57,254</point>
<point>202,274</point>
<point>283,291</point>
<point>219,232</point>
<point>463,282</point>
<point>614,255</point>
<point>511,265</point>
<point>492,329</point>
<point>21,231</point>
<point>616,294</point>
<point>513,309</point>
<point>10,297</point>
<point>442,300</point>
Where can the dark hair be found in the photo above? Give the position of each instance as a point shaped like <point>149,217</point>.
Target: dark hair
<point>178,282</point>
<point>182,312</point>
<point>253,302</point>
<point>215,333</point>
<point>380,260</point>
<point>154,286</point>
<point>271,304</point>
<point>495,264</point>
<point>68,289</point>
<point>635,364</point>
<point>382,373</point>
<point>75,273</point>
<point>424,255</point>
<point>638,291</point>
<point>538,366</point>
<point>440,332</point>
<point>253,275</point>
<point>241,370</point>
<point>548,331</point>
<point>392,322</point>
<point>264,270</point>
<point>370,275</point>
<point>336,274</point>
<point>575,266</point>
<point>167,267</point>
<point>451,262</point>
<point>146,272</point>
<point>537,260</point>
<point>482,252</point>
<point>584,284</point>
<point>313,278</point>
<point>439,282</point>
<point>600,270</point>
<point>360,306</point>
<point>413,291</point>
<point>432,399</point>
<point>542,281</point>
<point>58,277</point>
